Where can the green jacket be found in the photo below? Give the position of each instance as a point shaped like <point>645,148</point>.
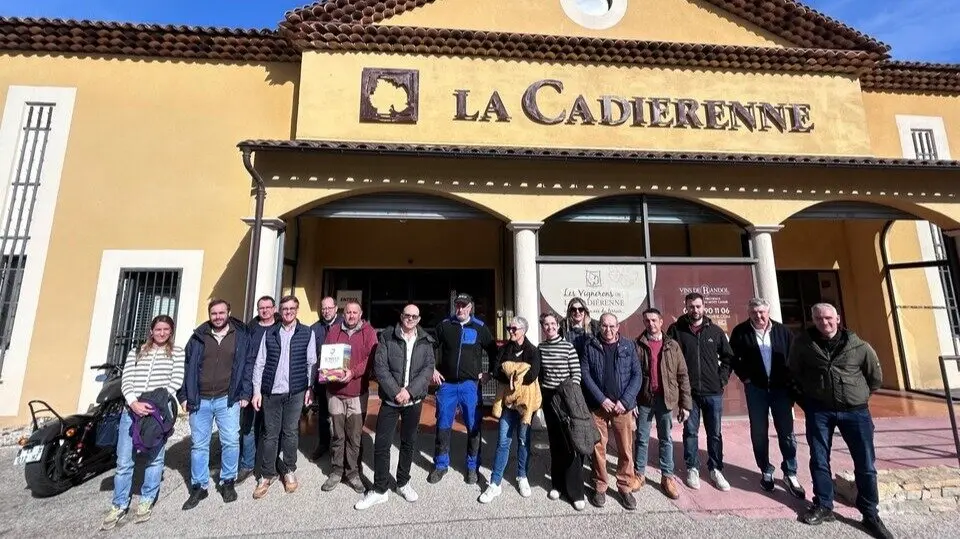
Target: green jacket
<point>842,382</point>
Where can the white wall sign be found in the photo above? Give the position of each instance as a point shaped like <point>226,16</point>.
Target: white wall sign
<point>617,289</point>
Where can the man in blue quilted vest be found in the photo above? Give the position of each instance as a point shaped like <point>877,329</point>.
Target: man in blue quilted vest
<point>281,378</point>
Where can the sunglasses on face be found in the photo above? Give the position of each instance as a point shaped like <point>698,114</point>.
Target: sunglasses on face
<point>577,309</point>
<point>514,329</point>
<point>410,316</point>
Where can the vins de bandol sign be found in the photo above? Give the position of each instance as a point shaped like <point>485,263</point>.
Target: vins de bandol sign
<point>613,110</point>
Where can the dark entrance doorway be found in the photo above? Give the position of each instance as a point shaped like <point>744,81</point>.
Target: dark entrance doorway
<point>386,291</point>
<point>802,289</point>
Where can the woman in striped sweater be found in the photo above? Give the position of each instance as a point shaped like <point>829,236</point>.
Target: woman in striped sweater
<point>155,365</point>
<point>559,361</point>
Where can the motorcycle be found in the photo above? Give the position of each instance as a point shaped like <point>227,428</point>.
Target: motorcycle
<point>62,452</point>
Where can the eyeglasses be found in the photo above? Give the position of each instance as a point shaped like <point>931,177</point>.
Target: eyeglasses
<point>577,309</point>
<point>289,309</point>
<point>406,316</point>
<point>514,329</point>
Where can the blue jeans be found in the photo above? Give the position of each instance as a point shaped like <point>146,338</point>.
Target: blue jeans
<point>711,407</point>
<point>251,425</point>
<point>123,478</point>
<point>465,396</point>
<point>778,403</point>
<point>646,414</point>
<point>856,428</point>
<point>201,427</point>
<point>510,423</point>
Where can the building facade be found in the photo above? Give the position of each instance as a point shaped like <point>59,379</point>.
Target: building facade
<point>622,151</point>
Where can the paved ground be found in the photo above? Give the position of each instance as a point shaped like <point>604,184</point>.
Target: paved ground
<point>450,508</point>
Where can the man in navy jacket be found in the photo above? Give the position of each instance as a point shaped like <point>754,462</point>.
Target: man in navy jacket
<point>216,385</point>
<point>761,347</point>
<point>611,382</point>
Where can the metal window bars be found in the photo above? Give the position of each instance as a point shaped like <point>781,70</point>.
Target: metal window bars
<point>950,405</point>
<point>142,294</point>
<point>924,146</point>
<point>16,218</point>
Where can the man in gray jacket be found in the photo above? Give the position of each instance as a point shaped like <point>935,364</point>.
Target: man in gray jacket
<point>835,372</point>
<point>403,364</point>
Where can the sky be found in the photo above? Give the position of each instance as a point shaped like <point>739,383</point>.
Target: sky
<point>920,30</point>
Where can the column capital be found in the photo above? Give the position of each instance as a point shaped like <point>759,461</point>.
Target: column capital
<point>763,229</point>
<point>272,223</point>
<point>524,225</point>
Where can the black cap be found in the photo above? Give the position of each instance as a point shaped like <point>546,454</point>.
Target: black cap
<point>463,298</point>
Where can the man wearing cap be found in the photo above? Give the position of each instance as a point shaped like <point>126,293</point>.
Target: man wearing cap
<point>461,341</point>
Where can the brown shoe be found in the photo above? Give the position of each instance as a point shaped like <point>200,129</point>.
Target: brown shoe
<point>262,487</point>
<point>641,480</point>
<point>669,486</point>
<point>290,483</point>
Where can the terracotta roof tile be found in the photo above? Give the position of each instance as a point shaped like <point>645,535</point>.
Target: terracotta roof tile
<point>788,19</point>
<point>128,39</point>
<point>576,154</point>
<point>913,77</point>
<point>414,40</point>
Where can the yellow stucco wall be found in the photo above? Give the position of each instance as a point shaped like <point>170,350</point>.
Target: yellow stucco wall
<point>685,21</point>
<point>151,163</point>
<point>329,105</point>
<point>883,107</point>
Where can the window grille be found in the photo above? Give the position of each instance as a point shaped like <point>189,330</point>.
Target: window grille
<point>924,146</point>
<point>17,215</point>
<point>142,294</point>
<point>946,280</point>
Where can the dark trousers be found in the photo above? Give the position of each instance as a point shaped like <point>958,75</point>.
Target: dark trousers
<point>409,418</point>
<point>711,408</point>
<point>762,403</point>
<point>856,428</point>
<point>251,435</point>
<point>323,418</point>
<point>281,426</point>
<point>364,400</point>
<point>566,464</point>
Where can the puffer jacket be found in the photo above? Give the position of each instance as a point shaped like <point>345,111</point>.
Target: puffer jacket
<point>841,379</point>
<point>390,364</point>
<point>628,373</point>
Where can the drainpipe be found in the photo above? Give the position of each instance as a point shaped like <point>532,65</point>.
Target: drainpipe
<point>261,193</point>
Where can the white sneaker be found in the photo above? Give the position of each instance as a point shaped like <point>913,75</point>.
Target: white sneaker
<point>407,492</point>
<point>492,492</point>
<point>372,498</point>
<point>524,486</point>
<point>554,494</point>
<point>693,479</point>
<point>580,505</point>
<point>719,481</point>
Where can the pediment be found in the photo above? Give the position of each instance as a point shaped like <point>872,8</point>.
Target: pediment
<point>745,23</point>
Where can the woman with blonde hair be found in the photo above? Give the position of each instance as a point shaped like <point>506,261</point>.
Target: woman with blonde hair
<point>157,365</point>
<point>578,323</point>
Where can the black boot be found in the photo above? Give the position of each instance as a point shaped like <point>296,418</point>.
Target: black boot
<point>197,494</point>
<point>874,526</point>
<point>817,515</point>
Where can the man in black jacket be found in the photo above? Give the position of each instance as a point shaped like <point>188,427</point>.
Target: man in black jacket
<point>837,372</point>
<point>403,364</point>
<point>709,358</point>
<point>761,346</point>
<point>328,317</point>
<point>461,342</point>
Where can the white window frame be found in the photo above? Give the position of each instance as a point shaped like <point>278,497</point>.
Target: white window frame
<point>11,128</point>
<point>907,123</point>
<point>190,262</point>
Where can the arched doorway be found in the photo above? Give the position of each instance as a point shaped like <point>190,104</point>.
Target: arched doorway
<point>889,273</point>
<point>393,248</point>
<point>622,254</point>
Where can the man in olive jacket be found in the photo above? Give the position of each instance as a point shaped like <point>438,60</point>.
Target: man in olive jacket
<point>403,365</point>
<point>665,387</point>
<point>836,372</point>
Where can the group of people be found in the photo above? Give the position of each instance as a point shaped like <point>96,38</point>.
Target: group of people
<point>591,382</point>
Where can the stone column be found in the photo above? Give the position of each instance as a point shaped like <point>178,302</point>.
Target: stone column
<point>761,236</point>
<point>526,294</point>
<point>269,262</point>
